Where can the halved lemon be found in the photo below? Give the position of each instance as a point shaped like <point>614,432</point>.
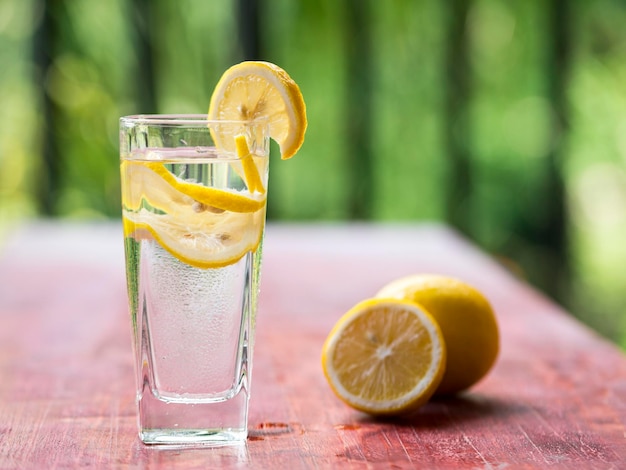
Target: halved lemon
<point>261,90</point>
<point>467,321</point>
<point>384,357</point>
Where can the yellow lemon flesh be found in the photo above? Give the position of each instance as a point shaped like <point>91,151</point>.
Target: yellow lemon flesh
<point>384,357</point>
<point>202,226</point>
<point>467,322</point>
<point>254,90</point>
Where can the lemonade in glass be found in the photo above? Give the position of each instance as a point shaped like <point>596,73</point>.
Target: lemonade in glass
<point>194,193</point>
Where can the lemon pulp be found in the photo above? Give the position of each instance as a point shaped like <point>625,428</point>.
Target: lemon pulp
<point>384,357</point>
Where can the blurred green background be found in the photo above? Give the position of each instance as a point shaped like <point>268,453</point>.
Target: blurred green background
<point>506,120</point>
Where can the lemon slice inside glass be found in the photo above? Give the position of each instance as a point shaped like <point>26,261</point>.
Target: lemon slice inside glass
<point>153,182</point>
<point>204,241</point>
<point>202,226</point>
<point>261,90</point>
<point>384,357</point>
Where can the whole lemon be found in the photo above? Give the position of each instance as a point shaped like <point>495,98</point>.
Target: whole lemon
<point>467,322</point>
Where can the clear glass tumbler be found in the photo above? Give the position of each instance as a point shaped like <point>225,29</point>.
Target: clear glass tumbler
<point>193,204</point>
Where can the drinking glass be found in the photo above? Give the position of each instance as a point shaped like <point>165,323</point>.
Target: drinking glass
<point>193,210</point>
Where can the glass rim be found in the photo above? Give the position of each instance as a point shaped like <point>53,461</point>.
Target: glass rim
<point>199,120</point>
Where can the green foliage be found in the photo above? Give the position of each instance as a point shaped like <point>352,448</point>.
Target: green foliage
<point>97,73</point>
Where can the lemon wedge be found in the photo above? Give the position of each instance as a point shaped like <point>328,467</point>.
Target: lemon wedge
<point>260,90</point>
<point>384,357</point>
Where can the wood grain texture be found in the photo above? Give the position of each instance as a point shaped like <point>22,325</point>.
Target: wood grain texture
<point>556,398</point>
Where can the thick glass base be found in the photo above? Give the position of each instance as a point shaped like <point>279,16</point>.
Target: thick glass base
<point>195,423</point>
<point>206,437</point>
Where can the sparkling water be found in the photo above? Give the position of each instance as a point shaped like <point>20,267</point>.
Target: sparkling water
<point>193,326</point>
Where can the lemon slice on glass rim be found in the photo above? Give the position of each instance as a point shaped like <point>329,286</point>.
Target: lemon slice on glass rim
<point>261,90</point>
<point>384,357</point>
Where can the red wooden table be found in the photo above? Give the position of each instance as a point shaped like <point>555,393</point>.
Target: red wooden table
<point>556,398</point>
